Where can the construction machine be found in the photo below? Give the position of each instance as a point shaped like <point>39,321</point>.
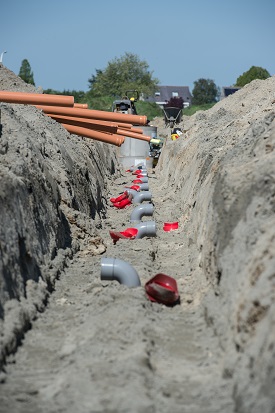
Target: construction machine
<point>126,104</point>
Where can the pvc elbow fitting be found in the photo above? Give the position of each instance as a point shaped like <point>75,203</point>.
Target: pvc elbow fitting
<point>139,197</point>
<point>141,211</point>
<point>143,179</point>
<point>146,229</point>
<point>144,187</point>
<point>142,173</point>
<point>114,269</point>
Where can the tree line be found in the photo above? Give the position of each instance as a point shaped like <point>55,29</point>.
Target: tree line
<point>128,72</point>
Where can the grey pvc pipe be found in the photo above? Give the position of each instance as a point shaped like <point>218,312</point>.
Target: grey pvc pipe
<point>131,191</point>
<point>144,179</point>
<point>141,211</point>
<point>144,187</point>
<point>146,229</point>
<point>141,196</point>
<point>114,269</point>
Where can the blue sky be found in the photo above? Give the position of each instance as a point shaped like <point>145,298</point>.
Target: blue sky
<point>181,40</point>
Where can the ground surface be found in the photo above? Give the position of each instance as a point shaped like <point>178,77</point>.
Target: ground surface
<point>98,346</point>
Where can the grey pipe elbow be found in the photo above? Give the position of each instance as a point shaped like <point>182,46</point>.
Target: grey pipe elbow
<point>114,269</point>
<point>146,229</point>
<point>144,187</point>
<point>143,173</point>
<point>141,211</point>
<point>144,179</point>
<point>139,197</point>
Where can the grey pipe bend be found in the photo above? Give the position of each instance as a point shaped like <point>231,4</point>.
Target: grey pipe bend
<point>144,179</point>
<point>141,211</point>
<point>142,173</point>
<point>144,187</point>
<point>139,197</point>
<point>146,229</point>
<point>119,270</point>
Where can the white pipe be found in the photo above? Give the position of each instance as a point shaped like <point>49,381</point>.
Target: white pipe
<point>119,270</point>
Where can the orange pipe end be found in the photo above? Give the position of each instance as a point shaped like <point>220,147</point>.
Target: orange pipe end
<point>81,105</point>
<point>93,134</point>
<point>36,99</point>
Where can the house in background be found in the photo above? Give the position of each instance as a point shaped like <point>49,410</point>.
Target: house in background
<point>228,90</point>
<point>165,93</point>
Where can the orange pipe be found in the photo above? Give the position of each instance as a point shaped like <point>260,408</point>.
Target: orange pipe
<point>96,121</point>
<point>133,129</point>
<point>94,114</point>
<point>133,135</point>
<point>136,130</point>
<point>36,98</point>
<point>85,123</point>
<point>93,134</point>
<point>81,105</point>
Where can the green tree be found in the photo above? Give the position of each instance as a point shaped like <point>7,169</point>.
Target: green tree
<point>205,91</point>
<point>121,74</point>
<point>79,95</point>
<point>253,73</point>
<point>26,73</point>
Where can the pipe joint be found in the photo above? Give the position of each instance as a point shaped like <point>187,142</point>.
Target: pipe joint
<point>114,269</point>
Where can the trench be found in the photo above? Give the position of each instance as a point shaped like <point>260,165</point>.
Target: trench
<point>103,347</point>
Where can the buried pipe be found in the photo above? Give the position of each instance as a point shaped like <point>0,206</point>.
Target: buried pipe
<point>114,269</point>
<point>140,211</point>
<point>93,134</point>
<point>144,187</point>
<point>36,99</point>
<point>139,187</point>
<point>95,114</point>
<point>139,197</point>
<point>146,229</point>
<point>142,179</point>
<point>140,173</point>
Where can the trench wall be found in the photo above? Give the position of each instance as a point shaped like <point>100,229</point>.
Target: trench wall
<point>222,177</point>
<point>51,202</point>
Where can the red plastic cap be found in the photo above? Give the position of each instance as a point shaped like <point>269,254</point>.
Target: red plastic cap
<point>122,204</point>
<point>134,187</point>
<point>129,233</point>
<point>170,226</point>
<point>162,289</point>
<point>120,197</point>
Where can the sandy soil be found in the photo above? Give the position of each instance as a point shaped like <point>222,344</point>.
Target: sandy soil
<point>71,342</point>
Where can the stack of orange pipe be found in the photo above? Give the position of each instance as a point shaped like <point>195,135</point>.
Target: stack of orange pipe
<point>76,118</point>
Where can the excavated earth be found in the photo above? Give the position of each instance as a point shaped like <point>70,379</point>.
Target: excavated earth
<point>70,342</point>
